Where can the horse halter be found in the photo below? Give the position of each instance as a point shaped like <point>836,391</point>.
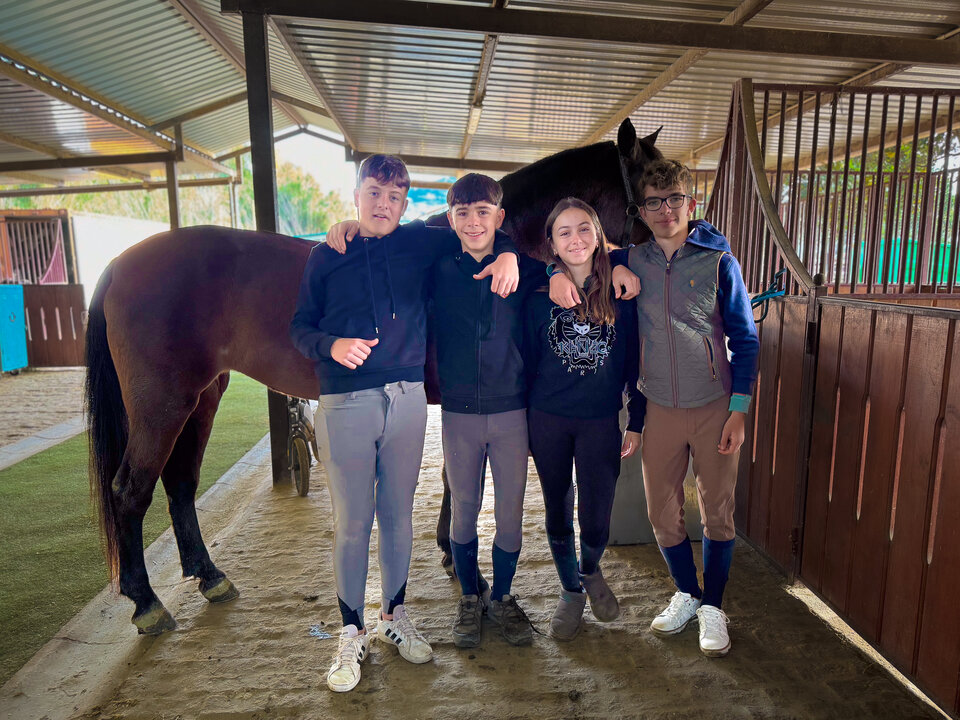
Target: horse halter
<point>633,209</point>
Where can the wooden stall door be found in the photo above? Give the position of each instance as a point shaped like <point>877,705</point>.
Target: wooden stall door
<point>54,315</point>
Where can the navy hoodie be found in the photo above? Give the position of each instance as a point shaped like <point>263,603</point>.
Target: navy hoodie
<point>479,335</point>
<point>377,289</point>
<point>580,369</point>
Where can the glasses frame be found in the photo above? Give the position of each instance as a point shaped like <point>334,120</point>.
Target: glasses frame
<point>683,199</point>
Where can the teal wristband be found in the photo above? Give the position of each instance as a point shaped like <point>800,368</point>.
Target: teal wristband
<point>739,403</point>
<point>552,270</point>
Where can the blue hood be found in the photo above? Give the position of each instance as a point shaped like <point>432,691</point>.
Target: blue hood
<point>707,236</point>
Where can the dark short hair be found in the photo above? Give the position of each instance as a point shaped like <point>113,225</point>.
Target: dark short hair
<point>474,187</point>
<point>665,174</point>
<point>384,169</point>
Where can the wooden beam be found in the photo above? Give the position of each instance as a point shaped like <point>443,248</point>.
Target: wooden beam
<point>201,111</point>
<point>604,28</point>
<point>302,104</point>
<point>743,12</point>
<point>112,187</point>
<point>319,136</point>
<point>193,13</point>
<point>445,163</point>
<point>317,83</point>
<point>89,161</point>
<point>292,132</point>
<point>480,83</point>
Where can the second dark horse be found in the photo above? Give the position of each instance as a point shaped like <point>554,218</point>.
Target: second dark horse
<point>175,313</point>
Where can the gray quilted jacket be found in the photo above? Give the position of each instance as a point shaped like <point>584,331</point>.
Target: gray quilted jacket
<point>688,307</point>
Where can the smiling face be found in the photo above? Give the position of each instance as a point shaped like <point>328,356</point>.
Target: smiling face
<point>380,205</point>
<point>573,238</point>
<point>668,224</point>
<point>475,224</point>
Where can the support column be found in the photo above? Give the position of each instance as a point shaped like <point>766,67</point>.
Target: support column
<point>255,52</point>
<point>173,188</point>
<point>234,203</point>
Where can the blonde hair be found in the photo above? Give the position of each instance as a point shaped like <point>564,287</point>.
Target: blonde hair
<point>596,303</point>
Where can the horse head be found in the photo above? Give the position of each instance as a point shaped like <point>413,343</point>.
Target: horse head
<point>634,154</point>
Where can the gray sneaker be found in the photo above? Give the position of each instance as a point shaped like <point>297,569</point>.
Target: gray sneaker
<point>568,616</point>
<point>468,626</point>
<point>513,621</point>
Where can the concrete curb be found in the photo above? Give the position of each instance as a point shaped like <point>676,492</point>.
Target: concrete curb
<point>38,442</point>
<point>89,656</point>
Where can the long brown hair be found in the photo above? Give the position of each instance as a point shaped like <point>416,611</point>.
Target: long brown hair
<point>596,303</point>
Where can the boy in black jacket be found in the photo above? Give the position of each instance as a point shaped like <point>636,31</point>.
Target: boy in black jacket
<point>483,400</point>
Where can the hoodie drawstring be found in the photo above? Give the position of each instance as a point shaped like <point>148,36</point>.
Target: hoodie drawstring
<point>393,302</point>
<point>373,297</point>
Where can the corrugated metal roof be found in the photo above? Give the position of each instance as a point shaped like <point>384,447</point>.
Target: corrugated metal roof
<point>409,90</point>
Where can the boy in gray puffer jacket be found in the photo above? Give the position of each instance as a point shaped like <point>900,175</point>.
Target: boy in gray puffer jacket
<point>692,304</point>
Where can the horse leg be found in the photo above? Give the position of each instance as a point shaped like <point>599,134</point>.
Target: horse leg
<point>153,432</point>
<point>181,476</point>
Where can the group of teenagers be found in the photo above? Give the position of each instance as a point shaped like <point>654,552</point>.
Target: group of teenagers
<point>535,356</point>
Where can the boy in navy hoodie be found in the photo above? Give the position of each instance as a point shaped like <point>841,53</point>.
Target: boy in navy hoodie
<point>483,400</point>
<point>693,305</point>
<point>361,318</point>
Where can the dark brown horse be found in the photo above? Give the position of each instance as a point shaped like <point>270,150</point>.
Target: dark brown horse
<point>172,315</point>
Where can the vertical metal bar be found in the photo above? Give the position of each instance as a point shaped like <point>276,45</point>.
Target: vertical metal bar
<point>795,183</point>
<point>826,236</point>
<point>875,248</point>
<point>940,254</point>
<point>861,191</point>
<point>842,230</point>
<point>173,194</point>
<point>954,236</point>
<point>259,107</point>
<point>892,203</point>
<point>812,190</point>
<point>907,204</point>
<point>778,190</point>
<point>924,239</point>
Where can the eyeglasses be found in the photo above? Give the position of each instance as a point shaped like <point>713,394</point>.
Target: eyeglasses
<point>674,202</point>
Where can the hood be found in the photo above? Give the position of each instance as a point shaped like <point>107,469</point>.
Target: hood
<point>707,236</point>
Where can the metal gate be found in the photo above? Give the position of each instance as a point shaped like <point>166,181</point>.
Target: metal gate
<point>848,477</point>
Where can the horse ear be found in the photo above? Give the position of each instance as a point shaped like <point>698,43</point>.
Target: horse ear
<point>651,139</point>
<point>627,139</point>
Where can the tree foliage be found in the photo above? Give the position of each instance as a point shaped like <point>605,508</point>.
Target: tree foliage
<point>302,207</point>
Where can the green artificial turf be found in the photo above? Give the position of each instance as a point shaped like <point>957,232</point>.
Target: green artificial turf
<point>51,564</point>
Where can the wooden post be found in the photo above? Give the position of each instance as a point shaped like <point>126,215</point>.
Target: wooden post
<point>256,56</point>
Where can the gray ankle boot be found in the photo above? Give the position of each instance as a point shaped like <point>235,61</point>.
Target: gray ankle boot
<point>602,600</point>
<point>566,620</point>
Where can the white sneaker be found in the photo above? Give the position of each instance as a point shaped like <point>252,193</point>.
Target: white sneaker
<point>714,640</point>
<point>401,632</point>
<point>675,617</point>
<point>344,674</point>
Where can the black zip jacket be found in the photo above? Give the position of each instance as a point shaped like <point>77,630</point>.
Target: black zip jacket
<point>479,336</point>
<point>377,289</point>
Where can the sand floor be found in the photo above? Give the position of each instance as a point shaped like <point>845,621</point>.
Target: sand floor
<point>35,400</point>
<point>265,655</point>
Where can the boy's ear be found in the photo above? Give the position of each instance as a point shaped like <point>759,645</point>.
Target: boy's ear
<point>406,202</point>
<point>501,214</point>
<point>356,197</point>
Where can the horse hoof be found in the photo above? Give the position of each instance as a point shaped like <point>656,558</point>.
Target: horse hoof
<point>223,591</point>
<point>155,621</point>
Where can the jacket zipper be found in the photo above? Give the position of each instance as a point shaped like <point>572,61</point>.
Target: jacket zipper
<point>709,348</point>
<point>671,342</point>
<point>643,372</point>
<point>479,322</point>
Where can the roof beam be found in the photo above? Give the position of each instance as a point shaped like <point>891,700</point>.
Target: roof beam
<point>111,187</point>
<point>480,83</point>
<point>317,83</point>
<point>221,42</point>
<point>297,102</point>
<point>89,161</point>
<point>197,112</point>
<point>292,132</point>
<point>866,78</point>
<point>743,12</point>
<point>604,28</point>
<point>445,163</point>
<point>57,152</point>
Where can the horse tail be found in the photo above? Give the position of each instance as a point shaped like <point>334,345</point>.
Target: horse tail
<point>106,423</point>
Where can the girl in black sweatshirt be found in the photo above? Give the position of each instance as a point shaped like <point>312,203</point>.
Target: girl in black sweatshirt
<point>579,362</point>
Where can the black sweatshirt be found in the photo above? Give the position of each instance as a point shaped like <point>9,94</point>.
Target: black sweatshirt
<point>479,336</point>
<point>579,369</point>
